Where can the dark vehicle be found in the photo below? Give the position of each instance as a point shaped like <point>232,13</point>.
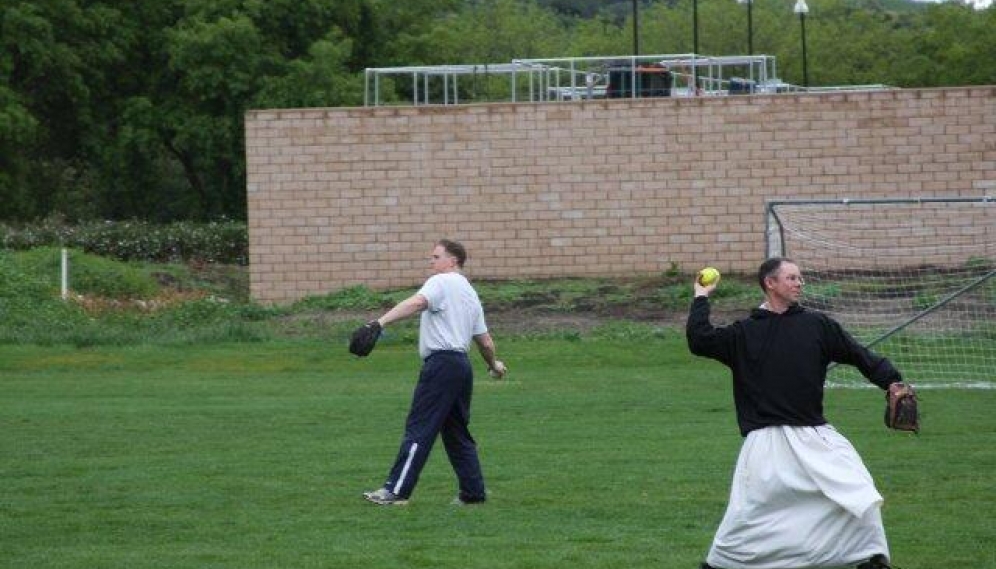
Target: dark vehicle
<point>649,80</point>
<point>740,86</point>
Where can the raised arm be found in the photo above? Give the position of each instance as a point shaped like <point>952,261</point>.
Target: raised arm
<point>703,338</point>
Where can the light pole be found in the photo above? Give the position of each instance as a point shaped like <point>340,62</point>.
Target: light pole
<point>750,25</point>
<point>695,27</point>
<point>695,47</point>
<point>636,28</point>
<point>802,9</point>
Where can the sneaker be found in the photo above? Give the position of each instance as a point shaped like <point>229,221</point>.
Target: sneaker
<point>706,566</point>
<point>384,497</point>
<point>465,500</point>
<point>877,561</point>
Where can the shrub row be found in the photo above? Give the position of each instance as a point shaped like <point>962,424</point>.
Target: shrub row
<point>213,242</point>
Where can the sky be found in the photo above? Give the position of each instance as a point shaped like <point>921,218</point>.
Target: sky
<point>976,3</point>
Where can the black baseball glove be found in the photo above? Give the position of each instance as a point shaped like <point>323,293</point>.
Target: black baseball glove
<point>901,411</point>
<point>364,339</point>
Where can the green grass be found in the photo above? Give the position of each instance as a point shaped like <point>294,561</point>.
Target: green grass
<point>599,452</point>
<point>121,303</point>
<point>213,432</point>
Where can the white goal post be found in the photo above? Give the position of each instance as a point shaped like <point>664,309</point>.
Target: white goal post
<point>913,278</point>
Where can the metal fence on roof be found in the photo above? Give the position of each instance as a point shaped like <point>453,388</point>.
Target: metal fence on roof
<point>582,78</point>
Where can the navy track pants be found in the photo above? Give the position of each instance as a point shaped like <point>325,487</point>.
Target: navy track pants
<point>440,405</point>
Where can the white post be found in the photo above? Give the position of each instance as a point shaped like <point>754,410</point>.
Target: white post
<point>65,273</point>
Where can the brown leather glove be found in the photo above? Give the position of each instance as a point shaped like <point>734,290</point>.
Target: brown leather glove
<point>901,411</point>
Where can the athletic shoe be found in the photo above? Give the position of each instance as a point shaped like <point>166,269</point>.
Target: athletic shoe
<point>384,497</point>
<point>878,561</point>
<point>706,566</point>
<point>465,500</point>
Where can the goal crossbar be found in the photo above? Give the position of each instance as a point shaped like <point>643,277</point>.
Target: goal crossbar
<point>770,210</point>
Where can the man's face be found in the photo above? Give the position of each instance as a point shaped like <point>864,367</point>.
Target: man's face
<point>441,261</point>
<point>786,284</point>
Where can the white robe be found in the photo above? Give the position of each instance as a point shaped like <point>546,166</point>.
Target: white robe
<point>801,498</point>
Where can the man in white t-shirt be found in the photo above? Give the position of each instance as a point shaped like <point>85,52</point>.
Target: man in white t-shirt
<point>451,316</point>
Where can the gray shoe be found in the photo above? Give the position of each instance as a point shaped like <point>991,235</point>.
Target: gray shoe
<point>384,497</point>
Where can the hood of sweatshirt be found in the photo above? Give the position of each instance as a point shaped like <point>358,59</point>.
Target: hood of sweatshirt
<point>763,313</point>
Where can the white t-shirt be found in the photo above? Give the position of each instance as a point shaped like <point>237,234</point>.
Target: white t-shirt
<point>454,315</point>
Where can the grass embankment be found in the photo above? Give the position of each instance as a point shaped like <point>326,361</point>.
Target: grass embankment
<point>130,303</point>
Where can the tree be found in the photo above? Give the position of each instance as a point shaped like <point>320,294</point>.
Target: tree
<point>18,130</point>
<point>493,31</point>
<point>321,79</point>
<point>135,109</point>
<point>61,60</point>
<point>958,40</point>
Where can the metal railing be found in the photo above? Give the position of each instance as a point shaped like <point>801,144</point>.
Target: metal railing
<point>581,78</point>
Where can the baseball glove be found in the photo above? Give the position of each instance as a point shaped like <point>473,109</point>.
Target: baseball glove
<point>364,339</point>
<point>901,411</point>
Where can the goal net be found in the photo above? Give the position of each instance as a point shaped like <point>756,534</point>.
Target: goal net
<point>912,279</point>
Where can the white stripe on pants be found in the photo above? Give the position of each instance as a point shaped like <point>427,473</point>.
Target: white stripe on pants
<point>404,471</point>
<point>801,498</point>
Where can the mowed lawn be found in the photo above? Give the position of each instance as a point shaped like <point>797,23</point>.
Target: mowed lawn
<point>608,453</point>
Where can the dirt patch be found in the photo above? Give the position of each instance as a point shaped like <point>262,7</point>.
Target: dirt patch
<point>509,321</point>
<point>520,320</point>
<point>570,305</point>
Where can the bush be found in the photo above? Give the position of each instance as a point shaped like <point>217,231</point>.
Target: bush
<point>212,242</point>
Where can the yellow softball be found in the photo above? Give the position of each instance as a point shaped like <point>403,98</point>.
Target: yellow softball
<point>708,276</point>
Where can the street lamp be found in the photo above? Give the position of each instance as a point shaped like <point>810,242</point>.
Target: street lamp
<point>636,29</point>
<point>750,25</point>
<point>802,9</point>
<point>695,27</point>
<point>695,46</point>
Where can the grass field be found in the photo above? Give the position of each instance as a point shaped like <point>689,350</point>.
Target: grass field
<point>598,453</point>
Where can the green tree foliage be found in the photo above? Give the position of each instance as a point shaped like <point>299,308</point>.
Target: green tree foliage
<point>961,45</point>
<point>135,109</point>
<point>321,78</point>
<point>18,129</point>
<point>121,110</point>
<point>54,61</point>
<point>495,31</point>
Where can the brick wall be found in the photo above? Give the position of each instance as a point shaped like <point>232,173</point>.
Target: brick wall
<point>347,196</point>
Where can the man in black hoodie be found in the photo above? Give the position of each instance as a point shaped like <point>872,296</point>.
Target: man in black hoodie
<point>800,496</point>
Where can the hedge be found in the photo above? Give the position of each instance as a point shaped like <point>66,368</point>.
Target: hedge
<point>224,242</point>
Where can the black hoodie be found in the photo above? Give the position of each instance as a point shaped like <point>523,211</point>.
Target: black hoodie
<point>779,362</point>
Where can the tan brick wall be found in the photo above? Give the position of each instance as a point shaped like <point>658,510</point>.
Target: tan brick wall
<point>347,196</point>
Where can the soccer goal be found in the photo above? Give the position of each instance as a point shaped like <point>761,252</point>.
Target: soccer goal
<point>911,278</point>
